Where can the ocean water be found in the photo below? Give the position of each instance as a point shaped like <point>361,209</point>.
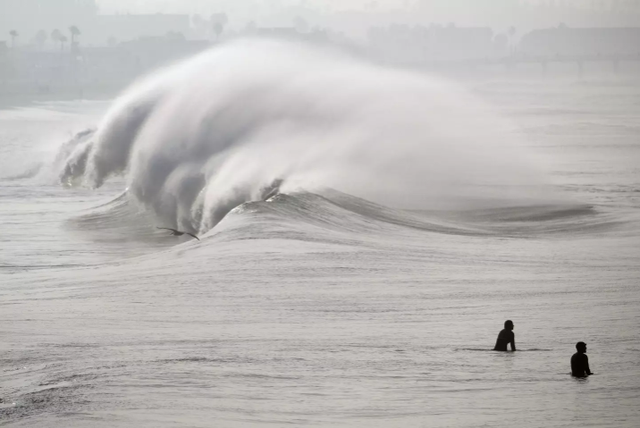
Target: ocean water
<point>364,233</point>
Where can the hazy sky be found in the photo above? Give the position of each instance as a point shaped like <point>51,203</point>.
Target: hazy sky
<point>187,6</point>
<point>495,13</point>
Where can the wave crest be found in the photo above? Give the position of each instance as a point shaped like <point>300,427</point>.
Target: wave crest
<point>204,136</point>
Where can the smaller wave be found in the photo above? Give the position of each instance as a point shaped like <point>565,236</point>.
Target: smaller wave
<point>77,149</point>
<point>336,217</point>
<point>567,219</point>
<point>338,211</point>
<point>117,220</point>
<point>351,217</point>
<point>30,172</point>
<point>536,213</point>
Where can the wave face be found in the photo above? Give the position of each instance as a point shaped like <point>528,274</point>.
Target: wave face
<point>337,218</point>
<point>204,136</point>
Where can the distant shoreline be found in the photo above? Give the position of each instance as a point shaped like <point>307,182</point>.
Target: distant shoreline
<point>16,99</point>
<point>22,94</point>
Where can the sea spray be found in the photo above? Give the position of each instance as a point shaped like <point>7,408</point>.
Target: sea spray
<point>201,137</point>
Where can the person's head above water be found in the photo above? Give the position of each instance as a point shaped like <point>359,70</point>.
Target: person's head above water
<point>581,347</point>
<point>508,324</point>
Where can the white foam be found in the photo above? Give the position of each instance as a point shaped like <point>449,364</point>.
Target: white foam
<point>202,136</point>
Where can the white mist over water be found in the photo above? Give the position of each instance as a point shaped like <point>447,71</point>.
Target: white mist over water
<point>203,136</point>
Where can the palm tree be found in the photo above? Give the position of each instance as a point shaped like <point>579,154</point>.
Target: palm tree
<point>217,29</point>
<point>218,21</point>
<point>63,40</point>
<point>14,34</point>
<point>75,32</point>
<point>57,36</point>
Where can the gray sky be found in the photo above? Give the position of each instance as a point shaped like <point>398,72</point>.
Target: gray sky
<point>186,6</point>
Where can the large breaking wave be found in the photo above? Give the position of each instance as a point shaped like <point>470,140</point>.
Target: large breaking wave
<point>199,138</point>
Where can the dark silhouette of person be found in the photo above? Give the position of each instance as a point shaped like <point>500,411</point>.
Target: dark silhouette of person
<point>505,337</point>
<point>580,361</point>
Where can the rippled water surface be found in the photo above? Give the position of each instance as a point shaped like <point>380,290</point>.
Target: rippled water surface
<point>325,309</point>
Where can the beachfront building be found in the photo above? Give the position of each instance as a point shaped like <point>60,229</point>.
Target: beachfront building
<point>402,44</point>
<point>581,41</point>
<point>131,27</point>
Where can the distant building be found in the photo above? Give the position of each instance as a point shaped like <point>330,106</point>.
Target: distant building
<point>131,27</point>
<point>582,41</point>
<point>458,43</point>
<point>401,44</point>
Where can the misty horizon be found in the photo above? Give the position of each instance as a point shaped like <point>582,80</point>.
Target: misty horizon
<point>350,17</point>
<point>492,13</point>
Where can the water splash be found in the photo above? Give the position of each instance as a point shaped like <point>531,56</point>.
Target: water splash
<point>201,137</point>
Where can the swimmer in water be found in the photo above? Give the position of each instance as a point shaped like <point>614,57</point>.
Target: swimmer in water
<point>505,337</point>
<point>580,361</point>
